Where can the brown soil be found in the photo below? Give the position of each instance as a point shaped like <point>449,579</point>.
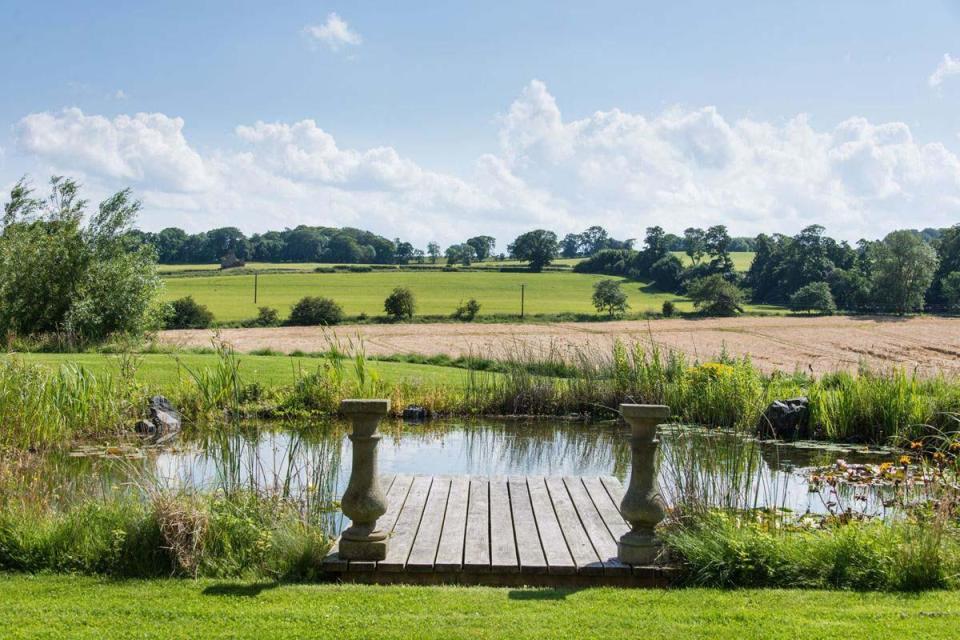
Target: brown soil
<point>774,343</point>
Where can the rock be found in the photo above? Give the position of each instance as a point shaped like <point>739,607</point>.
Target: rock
<point>164,422</point>
<point>786,420</point>
<point>414,413</point>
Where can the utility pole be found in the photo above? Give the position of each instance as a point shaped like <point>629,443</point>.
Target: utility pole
<point>256,283</point>
<point>522,297</point>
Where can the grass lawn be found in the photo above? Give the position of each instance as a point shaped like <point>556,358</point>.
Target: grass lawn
<point>76,607</point>
<point>230,298</point>
<point>158,370</point>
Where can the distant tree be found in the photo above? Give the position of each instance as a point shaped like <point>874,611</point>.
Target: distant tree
<point>400,304</point>
<point>463,254</point>
<point>815,296</point>
<point>716,242</point>
<point>403,252</point>
<point>314,310</point>
<point>226,239</point>
<point>538,247</point>
<point>694,244</point>
<point>668,308</point>
<point>947,245</point>
<point>483,246</point>
<point>714,295</point>
<point>667,273</point>
<point>266,317</point>
<point>433,250</point>
<point>570,245</point>
<point>903,269</point>
<point>951,290</point>
<point>609,297</point>
<point>418,255</point>
<point>850,289</point>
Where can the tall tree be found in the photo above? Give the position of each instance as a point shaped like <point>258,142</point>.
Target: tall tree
<point>482,246</point>
<point>694,244</point>
<point>903,269</point>
<point>538,247</point>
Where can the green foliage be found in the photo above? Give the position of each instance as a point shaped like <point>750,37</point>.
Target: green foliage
<point>59,276</point>
<point>463,254</point>
<point>903,269</point>
<point>668,308</point>
<point>716,296</point>
<point>400,304</point>
<point>266,317</point>
<point>753,549</point>
<point>609,297</point>
<point>950,286</point>
<point>187,313</point>
<point>538,247</point>
<point>482,246</point>
<point>467,311</point>
<point>315,310</point>
<point>815,296</point>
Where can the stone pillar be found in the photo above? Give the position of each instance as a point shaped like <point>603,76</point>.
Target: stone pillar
<point>641,506</point>
<point>364,501</point>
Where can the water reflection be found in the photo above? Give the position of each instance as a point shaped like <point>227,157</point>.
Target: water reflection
<point>312,465</point>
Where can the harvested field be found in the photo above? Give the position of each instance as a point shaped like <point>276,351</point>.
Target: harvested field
<point>818,345</point>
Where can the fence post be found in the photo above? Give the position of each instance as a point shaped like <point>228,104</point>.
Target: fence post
<point>641,503</point>
<point>364,501</point>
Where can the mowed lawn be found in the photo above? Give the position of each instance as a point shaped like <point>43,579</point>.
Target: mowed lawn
<point>230,298</point>
<point>157,370</point>
<point>78,607</point>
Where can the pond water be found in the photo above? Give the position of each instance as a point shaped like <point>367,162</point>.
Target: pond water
<point>313,465</point>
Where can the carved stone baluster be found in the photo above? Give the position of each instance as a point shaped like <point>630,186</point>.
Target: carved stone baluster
<point>641,505</point>
<point>364,501</point>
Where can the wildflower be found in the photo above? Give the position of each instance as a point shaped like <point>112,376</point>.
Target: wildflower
<point>904,460</point>
<point>916,445</point>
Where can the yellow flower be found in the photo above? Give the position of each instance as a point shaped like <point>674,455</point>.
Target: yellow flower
<point>904,460</point>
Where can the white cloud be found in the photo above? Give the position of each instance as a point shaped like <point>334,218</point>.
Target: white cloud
<point>120,94</point>
<point>335,33</point>
<point>949,66</point>
<point>623,170</point>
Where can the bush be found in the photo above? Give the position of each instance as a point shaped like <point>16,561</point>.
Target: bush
<point>315,310</point>
<point>607,295</point>
<point>815,296</point>
<point>187,313</point>
<point>668,308</point>
<point>716,296</point>
<point>468,310</point>
<point>266,317</point>
<point>400,304</point>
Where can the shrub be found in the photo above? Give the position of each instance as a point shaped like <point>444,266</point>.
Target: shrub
<point>668,308</point>
<point>607,295</point>
<point>315,310</point>
<point>400,304</point>
<point>815,296</point>
<point>716,296</point>
<point>266,317</point>
<point>468,310</point>
<point>187,313</point>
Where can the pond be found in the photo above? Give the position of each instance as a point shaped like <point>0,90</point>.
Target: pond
<point>312,465</point>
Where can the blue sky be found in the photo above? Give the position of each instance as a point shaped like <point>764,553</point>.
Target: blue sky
<point>436,120</point>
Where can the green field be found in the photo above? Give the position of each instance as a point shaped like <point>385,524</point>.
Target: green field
<point>159,370</point>
<point>230,298</point>
<point>76,607</point>
<point>741,259</point>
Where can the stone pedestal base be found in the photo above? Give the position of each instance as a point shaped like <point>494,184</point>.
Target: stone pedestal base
<point>369,550</point>
<point>639,549</point>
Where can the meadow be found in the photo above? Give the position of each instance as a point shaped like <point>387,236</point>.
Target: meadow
<point>230,297</point>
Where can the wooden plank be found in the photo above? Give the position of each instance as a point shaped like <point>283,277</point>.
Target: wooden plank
<point>614,489</point>
<point>450,549</point>
<point>503,547</point>
<point>396,496</point>
<point>554,544</point>
<point>529,549</point>
<point>476,544</point>
<point>423,553</point>
<point>408,522</point>
<point>609,511</point>
<point>581,549</point>
<point>602,540</point>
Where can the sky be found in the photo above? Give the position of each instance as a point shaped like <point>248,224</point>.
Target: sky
<point>443,120</point>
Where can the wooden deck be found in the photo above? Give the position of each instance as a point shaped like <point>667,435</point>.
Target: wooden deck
<point>507,531</point>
